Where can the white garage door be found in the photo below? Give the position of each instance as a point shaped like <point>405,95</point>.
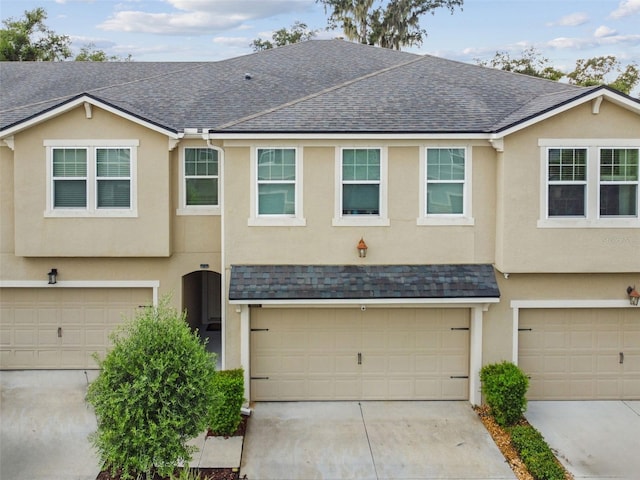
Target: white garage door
<point>61,327</point>
<point>572,354</point>
<point>349,354</point>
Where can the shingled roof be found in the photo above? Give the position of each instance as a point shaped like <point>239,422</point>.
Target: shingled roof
<point>309,282</point>
<point>316,86</point>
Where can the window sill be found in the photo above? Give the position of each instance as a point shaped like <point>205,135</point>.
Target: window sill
<point>587,223</point>
<point>360,221</point>
<point>198,211</point>
<point>90,214</point>
<point>446,221</point>
<point>277,222</point>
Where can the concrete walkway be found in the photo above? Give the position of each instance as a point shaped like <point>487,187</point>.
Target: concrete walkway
<point>369,440</point>
<point>592,439</point>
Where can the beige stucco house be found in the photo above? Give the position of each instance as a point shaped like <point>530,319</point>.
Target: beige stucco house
<point>501,216</point>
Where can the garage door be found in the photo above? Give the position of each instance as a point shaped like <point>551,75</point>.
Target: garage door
<point>61,327</point>
<point>349,354</point>
<point>581,353</point>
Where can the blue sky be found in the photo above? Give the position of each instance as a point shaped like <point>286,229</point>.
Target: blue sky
<point>168,30</point>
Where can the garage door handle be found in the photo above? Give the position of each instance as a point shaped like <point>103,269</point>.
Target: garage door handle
<point>359,358</point>
<point>621,357</point>
<point>60,333</point>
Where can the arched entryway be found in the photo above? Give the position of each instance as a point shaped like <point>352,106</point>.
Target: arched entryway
<point>202,300</point>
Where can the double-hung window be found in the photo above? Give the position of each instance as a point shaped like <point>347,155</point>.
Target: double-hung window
<point>360,181</point>
<point>590,183</point>
<point>567,182</point>
<point>619,182</point>
<point>200,177</point>
<point>91,178</point>
<point>361,187</point>
<point>276,196</point>
<point>445,187</point>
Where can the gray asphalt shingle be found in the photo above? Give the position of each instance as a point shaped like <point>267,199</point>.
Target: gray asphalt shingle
<point>305,282</point>
<point>314,86</point>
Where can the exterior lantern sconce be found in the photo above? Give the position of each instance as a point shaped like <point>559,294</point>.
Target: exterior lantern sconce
<point>53,276</point>
<point>634,296</point>
<point>362,248</point>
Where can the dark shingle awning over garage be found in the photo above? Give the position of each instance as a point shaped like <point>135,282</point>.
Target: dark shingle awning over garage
<point>254,283</point>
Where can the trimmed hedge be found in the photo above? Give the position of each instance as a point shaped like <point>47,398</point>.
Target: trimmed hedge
<point>504,387</point>
<point>535,453</point>
<point>225,414</point>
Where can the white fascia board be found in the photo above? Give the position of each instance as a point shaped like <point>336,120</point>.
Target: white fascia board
<point>618,99</point>
<point>80,284</point>
<point>350,136</point>
<point>80,102</point>
<point>520,304</point>
<point>372,302</point>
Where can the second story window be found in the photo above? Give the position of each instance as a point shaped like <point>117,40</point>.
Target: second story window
<point>200,177</point>
<point>619,182</point>
<point>91,177</point>
<point>445,181</point>
<point>276,181</point>
<point>360,181</point>
<point>567,179</point>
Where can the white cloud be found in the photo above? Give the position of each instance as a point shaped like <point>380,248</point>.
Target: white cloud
<point>199,17</point>
<point>626,8</point>
<point>572,20</point>
<point>232,41</point>
<point>604,31</point>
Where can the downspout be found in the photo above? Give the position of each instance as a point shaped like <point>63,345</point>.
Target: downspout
<point>223,277</point>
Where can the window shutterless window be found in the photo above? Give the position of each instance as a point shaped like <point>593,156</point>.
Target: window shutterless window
<point>91,178</point>
<point>276,181</point>
<point>445,182</point>
<point>567,182</point>
<point>69,177</point>
<point>360,181</point>
<point>201,177</point>
<point>619,182</point>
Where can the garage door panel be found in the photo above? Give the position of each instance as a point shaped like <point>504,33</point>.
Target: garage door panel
<point>400,349</point>
<point>575,353</point>
<point>61,327</point>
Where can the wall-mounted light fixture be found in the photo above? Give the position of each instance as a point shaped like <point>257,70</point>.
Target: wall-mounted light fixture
<point>362,248</point>
<point>634,296</point>
<point>53,276</point>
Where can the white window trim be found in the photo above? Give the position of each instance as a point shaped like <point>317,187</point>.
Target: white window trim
<point>296,220</point>
<point>381,220</point>
<point>616,182</point>
<point>592,218</point>
<point>91,209</point>
<point>185,209</point>
<point>463,219</point>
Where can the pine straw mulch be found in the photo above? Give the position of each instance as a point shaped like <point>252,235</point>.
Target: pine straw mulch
<point>503,441</point>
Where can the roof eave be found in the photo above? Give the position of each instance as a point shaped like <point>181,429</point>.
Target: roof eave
<point>82,99</point>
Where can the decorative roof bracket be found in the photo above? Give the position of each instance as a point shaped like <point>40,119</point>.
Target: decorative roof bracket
<point>497,143</point>
<point>595,104</point>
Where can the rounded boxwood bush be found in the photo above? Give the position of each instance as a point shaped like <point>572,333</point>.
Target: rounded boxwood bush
<point>504,387</point>
<point>153,394</point>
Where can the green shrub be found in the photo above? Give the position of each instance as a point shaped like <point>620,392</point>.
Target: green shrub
<point>535,453</point>
<point>154,393</point>
<point>504,387</point>
<point>229,396</point>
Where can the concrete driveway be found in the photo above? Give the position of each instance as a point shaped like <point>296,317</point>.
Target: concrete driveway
<point>592,439</point>
<point>369,440</point>
<point>44,426</point>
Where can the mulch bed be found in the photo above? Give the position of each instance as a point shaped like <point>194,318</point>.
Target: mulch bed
<point>203,473</point>
<point>503,441</point>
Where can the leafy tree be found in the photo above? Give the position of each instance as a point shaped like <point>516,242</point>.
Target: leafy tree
<point>531,63</point>
<point>593,71</point>
<point>155,391</point>
<point>89,53</point>
<point>29,39</point>
<point>393,24</point>
<point>299,32</point>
